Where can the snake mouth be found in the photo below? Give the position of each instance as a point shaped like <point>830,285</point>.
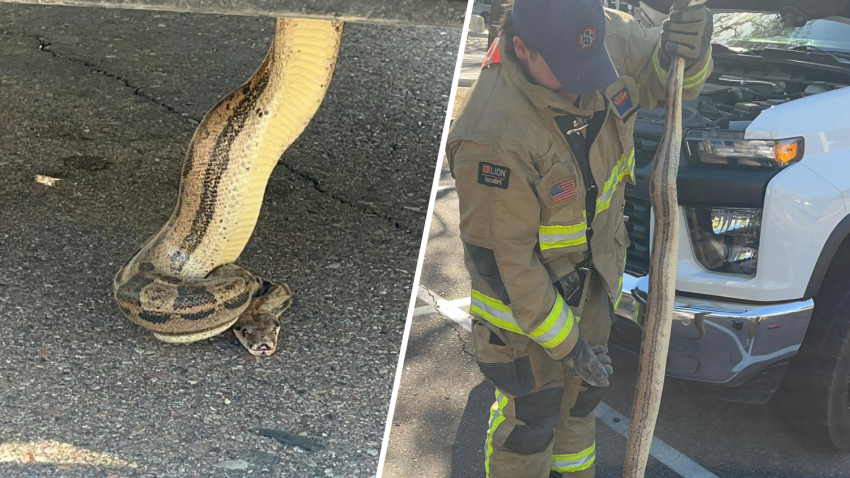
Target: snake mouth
<point>261,352</point>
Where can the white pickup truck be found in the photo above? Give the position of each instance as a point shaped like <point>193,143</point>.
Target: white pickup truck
<point>763,285</point>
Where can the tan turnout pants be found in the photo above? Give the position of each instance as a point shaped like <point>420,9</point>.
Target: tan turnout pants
<point>543,419</point>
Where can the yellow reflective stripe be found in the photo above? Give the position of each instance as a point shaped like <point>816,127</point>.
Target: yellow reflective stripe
<point>493,311</point>
<point>563,229</point>
<point>554,237</point>
<point>619,293</point>
<point>563,334</point>
<point>627,166</point>
<point>551,319</point>
<point>604,199</point>
<point>497,416</point>
<point>557,326</point>
<point>574,462</point>
<point>660,72</point>
<point>699,76</point>
<point>492,302</point>
<point>502,324</point>
<point>688,82</point>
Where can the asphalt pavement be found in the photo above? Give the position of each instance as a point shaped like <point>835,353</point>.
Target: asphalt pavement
<point>440,423</point>
<point>105,102</point>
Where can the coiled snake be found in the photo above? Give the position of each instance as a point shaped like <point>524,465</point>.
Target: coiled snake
<point>182,284</point>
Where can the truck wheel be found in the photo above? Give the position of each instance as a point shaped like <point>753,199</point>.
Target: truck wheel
<point>814,399</point>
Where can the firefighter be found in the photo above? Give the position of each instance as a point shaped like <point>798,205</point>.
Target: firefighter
<point>541,153</point>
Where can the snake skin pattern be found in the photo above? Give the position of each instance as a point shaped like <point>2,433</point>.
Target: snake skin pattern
<point>662,276</point>
<point>182,284</point>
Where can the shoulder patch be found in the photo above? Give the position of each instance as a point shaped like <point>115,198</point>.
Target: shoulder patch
<point>493,176</point>
<point>492,57</point>
<point>622,101</point>
<point>563,191</point>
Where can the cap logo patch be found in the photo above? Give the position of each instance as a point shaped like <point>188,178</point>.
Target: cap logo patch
<point>622,101</point>
<point>587,38</point>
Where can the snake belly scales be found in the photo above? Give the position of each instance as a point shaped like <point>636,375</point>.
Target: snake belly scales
<point>652,366</point>
<point>182,283</point>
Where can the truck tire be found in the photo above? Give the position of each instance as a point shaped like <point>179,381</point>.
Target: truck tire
<point>814,399</point>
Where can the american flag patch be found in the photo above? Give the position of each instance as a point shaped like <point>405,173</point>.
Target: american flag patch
<point>564,191</point>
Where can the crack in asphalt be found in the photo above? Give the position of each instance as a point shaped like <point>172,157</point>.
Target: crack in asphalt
<point>362,209</point>
<point>46,46</point>
<point>452,324</point>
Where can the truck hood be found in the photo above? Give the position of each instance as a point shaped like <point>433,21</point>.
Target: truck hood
<point>809,8</point>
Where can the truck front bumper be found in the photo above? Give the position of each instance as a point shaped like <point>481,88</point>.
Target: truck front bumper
<point>726,344</point>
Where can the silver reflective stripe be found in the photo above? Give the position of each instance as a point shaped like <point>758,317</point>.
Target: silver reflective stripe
<point>562,237</point>
<point>495,315</point>
<point>557,327</point>
<point>606,195</point>
<point>573,464</point>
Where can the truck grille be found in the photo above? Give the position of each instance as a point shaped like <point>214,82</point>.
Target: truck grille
<point>638,209</point>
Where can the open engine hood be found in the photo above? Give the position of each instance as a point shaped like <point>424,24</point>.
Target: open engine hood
<point>801,10</point>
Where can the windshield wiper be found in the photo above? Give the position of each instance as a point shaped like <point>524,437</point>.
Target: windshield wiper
<point>816,49</point>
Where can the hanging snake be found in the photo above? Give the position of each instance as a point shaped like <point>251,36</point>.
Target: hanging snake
<point>182,284</point>
<point>662,275</point>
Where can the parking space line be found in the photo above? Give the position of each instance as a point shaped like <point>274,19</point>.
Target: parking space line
<point>666,454</point>
<point>449,309</point>
<point>661,451</point>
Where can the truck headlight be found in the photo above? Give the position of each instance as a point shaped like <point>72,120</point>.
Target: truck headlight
<point>725,240</point>
<point>729,148</point>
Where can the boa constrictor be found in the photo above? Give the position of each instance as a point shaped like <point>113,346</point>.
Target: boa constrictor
<point>652,366</point>
<point>182,284</point>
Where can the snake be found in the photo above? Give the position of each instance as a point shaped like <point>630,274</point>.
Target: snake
<point>182,284</point>
<point>652,366</point>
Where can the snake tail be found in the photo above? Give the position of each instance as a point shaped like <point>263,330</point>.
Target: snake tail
<point>223,181</point>
<point>662,277</point>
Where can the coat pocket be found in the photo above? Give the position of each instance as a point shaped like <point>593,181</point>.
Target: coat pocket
<point>508,368</point>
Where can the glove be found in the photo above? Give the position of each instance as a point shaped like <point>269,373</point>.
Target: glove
<point>687,33</point>
<point>590,363</point>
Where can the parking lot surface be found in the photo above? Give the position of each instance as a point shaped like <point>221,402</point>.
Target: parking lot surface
<point>104,102</point>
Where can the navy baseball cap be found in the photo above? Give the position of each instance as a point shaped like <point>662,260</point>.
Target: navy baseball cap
<point>570,35</point>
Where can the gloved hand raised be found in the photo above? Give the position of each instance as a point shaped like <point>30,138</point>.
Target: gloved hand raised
<point>687,33</point>
<point>590,363</point>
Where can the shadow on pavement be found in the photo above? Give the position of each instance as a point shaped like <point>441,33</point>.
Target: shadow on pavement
<point>472,430</point>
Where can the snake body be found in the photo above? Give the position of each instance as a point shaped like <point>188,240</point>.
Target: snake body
<point>662,276</point>
<point>182,284</point>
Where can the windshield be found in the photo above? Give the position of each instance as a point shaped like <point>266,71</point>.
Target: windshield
<point>756,31</point>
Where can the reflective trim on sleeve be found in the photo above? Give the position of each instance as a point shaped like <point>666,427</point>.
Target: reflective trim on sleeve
<point>554,237</point>
<point>625,166</point>
<point>689,82</point>
<point>557,326</point>
<point>604,199</point>
<point>661,73</point>
<point>551,333</point>
<point>574,462</point>
<point>493,311</point>
<point>698,77</point>
<point>619,294</point>
<point>497,416</point>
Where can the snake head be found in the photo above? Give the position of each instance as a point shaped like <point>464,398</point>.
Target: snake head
<point>259,337</point>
